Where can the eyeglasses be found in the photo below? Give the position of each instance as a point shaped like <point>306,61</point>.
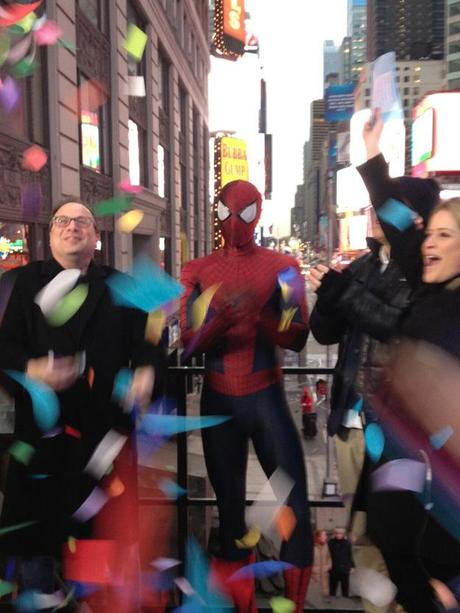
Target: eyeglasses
<point>64,220</point>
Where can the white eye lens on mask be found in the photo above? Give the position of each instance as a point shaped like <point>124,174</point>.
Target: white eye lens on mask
<point>223,212</point>
<point>249,213</point>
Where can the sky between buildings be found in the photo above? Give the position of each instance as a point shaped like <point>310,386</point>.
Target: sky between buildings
<point>291,35</point>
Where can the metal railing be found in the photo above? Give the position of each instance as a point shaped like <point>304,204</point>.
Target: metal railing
<point>178,377</point>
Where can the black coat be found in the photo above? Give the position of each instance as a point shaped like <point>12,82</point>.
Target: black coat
<point>359,308</point>
<point>397,522</point>
<point>51,487</point>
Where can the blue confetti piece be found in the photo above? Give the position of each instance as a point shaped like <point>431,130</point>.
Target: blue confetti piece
<point>396,214</point>
<point>358,405</point>
<point>259,570</point>
<point>440,438</point>
<point>375,441</point>
<point>294,280</point>
<point>121,384</point>
<point>45,403</point>
<point>10,569</point>
<point>80,589</point>
<point>148,288</point>
<point>39,476</point>
<point>26,602</point>
<point>171,489</point>
<point>197,572</point>
<point>168,425</point>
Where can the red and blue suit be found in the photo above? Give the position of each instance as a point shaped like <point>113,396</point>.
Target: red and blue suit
<point>258,305</point>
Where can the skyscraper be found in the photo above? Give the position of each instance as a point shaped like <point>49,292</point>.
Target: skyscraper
<point>414,29</point>
<point>357,32</point>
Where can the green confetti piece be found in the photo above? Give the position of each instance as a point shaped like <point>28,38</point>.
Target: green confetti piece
<point>68,306</point>
<point>67,45</point>
<point>120,204</point>
<point>279,604</point>
<point>24,68</point>
<point>22,452</point>
<point>24,524</point>
<point>27,22</point>
<point>4,47</point>
<point>7,588</point>
<point>135,42</point>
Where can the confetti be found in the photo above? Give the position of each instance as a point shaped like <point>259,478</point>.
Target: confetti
<point>45,403</point>
<point>170,489</point>
<point>57,288</point>
<point>396,214</point>
<point>135,42</point>
<point>262,513</point>
<point>24,524</point>
<point>25,68</point>
<point>19,51</point>
<point>200,306</point>
<point>197,575</point>
<point>31,199</point>
<point>14,13</point>
<point>9,94</point>
<point>401,474</point>
<point>121,384</point>
<point>34,158</point>
<point>73,432</point>
<point>279,604</point>
<point>169,425</point>
<point>112,206</point>
<point>90,376</point>
<point>259,570</point>
<point>249,540</point>
<point>372,586</point>
<point>440,438</point>
<point>285,522</point>
<point>148,288</point>
<point>126,186</point>
<point>105,453</point>
<point>91,506</point>
<point>48,34</point>
<point>292,285</point>
<point>358,406</point>
<point>88,97</point>
<point>154,326</point>
<point>375,441</point>
<point>165,563</point>
<point>116,488</point>
<point>67,306</point>
<point>136,86</point>
<point>7,588</point>
<point>129,221</point>
<point>287,316</point>
<point>22,452</point>
<point>26,23</point>
<point>4,47</point>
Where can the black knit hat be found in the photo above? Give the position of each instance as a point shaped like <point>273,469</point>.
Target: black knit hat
<point>423,194</point>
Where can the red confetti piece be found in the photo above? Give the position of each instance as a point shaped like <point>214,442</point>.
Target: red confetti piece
<point>88,97</point>
<point>34,158</point>
<point>128,187</point>
<point>14,13</point>
<point>90,376</point>
<point>72,432</point>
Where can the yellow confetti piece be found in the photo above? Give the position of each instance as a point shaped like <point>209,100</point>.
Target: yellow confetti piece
<point>286,291</point>
<point>27,22</point>
<point>286,318</point>
<point>249,540</point>
<point>154,327</point>
<point>285,522</point>
<point>279,604</point>
<point>130,220</point>
<point>201,305</point>
<point>72,544</point>
<point>68,306</point>
<point>135,42</point>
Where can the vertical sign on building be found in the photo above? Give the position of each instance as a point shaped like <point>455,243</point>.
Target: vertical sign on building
<point>229,28</point>
<point>230,164</point>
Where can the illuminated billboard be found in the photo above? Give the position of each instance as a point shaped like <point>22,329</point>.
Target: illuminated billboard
<point>233,160</point>
<point>436,134</point>
<point>229,28</point>
<point>352,194</point>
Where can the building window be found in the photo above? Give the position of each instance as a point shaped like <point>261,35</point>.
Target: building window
<point>454,66</point>
<point>14,245</point>
<point>163,151</point>
<point>454,9</point>
<point>406,91</point>
<point>406,79</point>
<point>94,136</point>
<point>96,11</point>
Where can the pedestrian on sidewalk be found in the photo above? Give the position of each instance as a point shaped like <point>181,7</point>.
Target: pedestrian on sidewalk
<point>322,561</point>
<point>342,562</point>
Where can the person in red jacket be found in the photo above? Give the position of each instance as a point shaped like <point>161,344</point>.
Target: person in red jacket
<point>309,427</point>
<point>258,304</point>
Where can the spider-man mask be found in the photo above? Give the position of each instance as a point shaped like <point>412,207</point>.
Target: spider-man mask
<point>238,209</point>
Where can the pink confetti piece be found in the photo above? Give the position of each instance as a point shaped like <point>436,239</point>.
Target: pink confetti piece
<point>19,51</point>
<point>126,186</point>
<point>48,34</point>
<point>34,158</point>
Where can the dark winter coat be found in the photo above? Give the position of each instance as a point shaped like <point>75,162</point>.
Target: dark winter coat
<point>359,308</point>
<point>49,489</point>
<point>397,522</point>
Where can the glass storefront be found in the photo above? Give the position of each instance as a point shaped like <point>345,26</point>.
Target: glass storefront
<point>14,245</point>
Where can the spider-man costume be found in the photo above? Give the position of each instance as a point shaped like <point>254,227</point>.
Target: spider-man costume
<point>250,314</point>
